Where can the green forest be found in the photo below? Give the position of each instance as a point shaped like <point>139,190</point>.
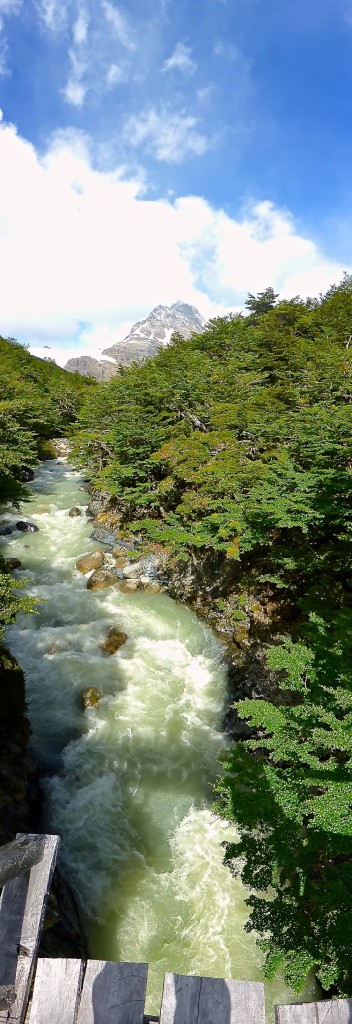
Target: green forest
<point>38,401</point>
<point>234,449</point>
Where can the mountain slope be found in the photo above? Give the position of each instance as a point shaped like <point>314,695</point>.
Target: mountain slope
<point>143,341</point>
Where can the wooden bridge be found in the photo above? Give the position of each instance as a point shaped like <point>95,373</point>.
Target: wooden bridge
<point>67,991</point>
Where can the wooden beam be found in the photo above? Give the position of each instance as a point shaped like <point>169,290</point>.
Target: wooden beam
<point>113,993</point>
<point>22,909</point>
<point>190,1000</point>
<point>328,1011</point>
<point>19,856</point>
<point>56,992</point>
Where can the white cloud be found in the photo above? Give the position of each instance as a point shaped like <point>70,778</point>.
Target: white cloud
<point>7,7</point>
<point>169,136</point>
<point>80,28</point>
<point>119,24</point>
<point>115,75</point>
<point>10,6</point>
<point>76,89</point>
<point>181,60</point>
<point>74,92</point>
<point>53,13</point>
<point>84,252</point>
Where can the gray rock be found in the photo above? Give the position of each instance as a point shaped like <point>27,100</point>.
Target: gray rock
<point>101,579</point>
<point>26,527</point>
<point>74,512</point>
<point>93,560</point>
<point>133,570</point>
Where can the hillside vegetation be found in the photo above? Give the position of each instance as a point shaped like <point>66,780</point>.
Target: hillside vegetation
<point>38,401</point>
<point>237,443</point>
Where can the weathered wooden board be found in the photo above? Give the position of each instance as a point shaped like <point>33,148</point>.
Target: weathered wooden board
<point>22,909</point>
<point>19,856</point>
<point>189,1000</point>
<point>329,1011</point>
<point>113,993</point>
<point>56,992</point>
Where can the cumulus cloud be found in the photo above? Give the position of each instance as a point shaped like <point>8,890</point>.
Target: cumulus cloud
<point>169,136</point>
<point>181,60</point>
<point>83,253</point>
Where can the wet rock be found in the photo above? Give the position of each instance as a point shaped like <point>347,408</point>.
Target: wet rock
<point>19,786</point>
<point>101,579</point>
<point>133,570</point>
<point>115,639</point>
<point>75,512</point>
<point>27,474</point>
<point>152,586</point>
<point>122,550</point>
<point>129,586</point>
<point>6,527</point>
<point>26,527</point>
<point>92,560</point>
<point>90,697</point>
<point>102,535</point>
<point>12,563</point>
<point>120,562</point>
<point>109,560</point>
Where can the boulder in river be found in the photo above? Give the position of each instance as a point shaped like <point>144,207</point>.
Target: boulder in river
<point>27,474</point>
<point>74,512</point>
<point>133,570</point>
<point>114,640</point>
<point>120,562</point>
<point>101,579</point>
<point>26,527</point>
<point>129,586</point>
<point>90,697</point>
<point>92,560</point>
<point>11,564</point>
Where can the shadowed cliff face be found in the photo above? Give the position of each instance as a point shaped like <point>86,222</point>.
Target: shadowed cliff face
<point>19,785</point>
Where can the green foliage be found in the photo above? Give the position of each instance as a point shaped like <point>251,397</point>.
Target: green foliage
<point>38,400</point>
<point>12,603</point>
<point>238,442</point>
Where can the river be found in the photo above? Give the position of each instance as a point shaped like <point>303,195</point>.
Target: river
<point>128,783</point>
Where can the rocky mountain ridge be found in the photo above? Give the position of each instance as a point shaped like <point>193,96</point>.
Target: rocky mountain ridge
<point>143,341</point>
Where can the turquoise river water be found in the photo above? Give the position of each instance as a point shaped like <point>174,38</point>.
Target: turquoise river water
<point>128,784</point>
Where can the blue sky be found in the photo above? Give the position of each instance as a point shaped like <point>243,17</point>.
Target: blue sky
<point>168,150</point>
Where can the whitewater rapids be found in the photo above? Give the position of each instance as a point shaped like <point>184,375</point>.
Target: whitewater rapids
<point>128,783</point>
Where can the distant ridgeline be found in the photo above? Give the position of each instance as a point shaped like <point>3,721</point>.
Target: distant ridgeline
<point>38,401</point>
<point>233,451</point>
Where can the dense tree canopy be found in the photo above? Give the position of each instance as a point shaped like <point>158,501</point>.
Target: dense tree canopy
<point>239,442</point>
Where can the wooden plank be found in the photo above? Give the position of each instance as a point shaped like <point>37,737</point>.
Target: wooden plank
<point>19,856</point>
<point>113,993</point>
<point>328,1011</point>
<point>190,1000</point>
<point>56,992</point>
<point>22,909</point>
